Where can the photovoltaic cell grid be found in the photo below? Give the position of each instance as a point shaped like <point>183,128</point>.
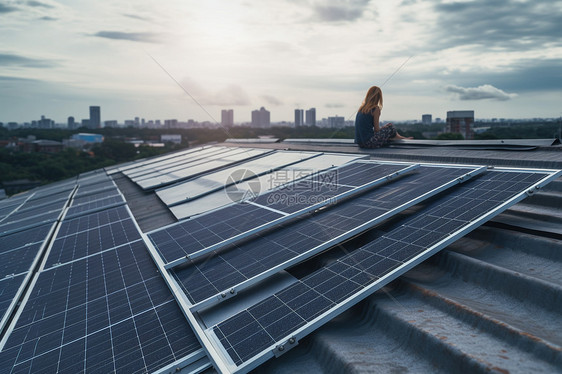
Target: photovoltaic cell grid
<point>42,207</point>
<point>84,223</point>
<point>88,189</point>
<point>29,222</point>
<point>85,243</point>
<point>192,235</point>
<point>26,211</point>
<point>94,205</point>
<point>8,289</point>
<point>17,254</point>
<point>17,261</point>
<point>37,201</point>
<point>111,312</point>
<point>202,279</point>
<point>23,238</point>
<point>278,317</point>
<point>179,240</point>
<point>88,198</point>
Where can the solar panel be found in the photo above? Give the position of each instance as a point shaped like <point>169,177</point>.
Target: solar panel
<point>278,322</point>
<point>94,205</point>
<point>263,183</point>
<point>209,229</point>
<point>98,195</point>
<point>160,162</point>
<point>248,262</point>
<point>7,228</point>
<point>19,253</point>
<point>18,260</point>
<point>9,287</point>
<point>85,243</point>
<point>162,178</point>
<point>29,210</point>
<point>105,313</point>
<point>21,239</point>
<point>211,182</point>
<point>88,189</point>
<point>90,221</point>
<point>190,159</point>
<point>53,189</point>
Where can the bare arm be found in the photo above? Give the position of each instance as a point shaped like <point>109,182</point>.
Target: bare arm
<point>376,115</point>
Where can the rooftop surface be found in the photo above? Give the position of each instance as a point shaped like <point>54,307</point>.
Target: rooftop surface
<point>489,302</point>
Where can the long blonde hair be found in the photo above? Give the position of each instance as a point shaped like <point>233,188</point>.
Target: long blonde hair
<point>373,99</point>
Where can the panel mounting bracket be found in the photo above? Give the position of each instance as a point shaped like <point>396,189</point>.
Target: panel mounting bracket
<point>285,346</point>
<point>531,191</point>
<point>227,295</point>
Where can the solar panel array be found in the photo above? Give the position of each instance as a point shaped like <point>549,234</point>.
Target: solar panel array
<point>268,251</point>
<point>263,183</point>
<point>279,317</point>
<point>160,173</point>
<point>242,247</point>
<point>96,301</point>
<point>223,178</point>
<point>83,290</point>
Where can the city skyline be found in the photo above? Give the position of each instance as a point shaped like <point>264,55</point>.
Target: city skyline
<point>227,120</point>
<point>500,58</point>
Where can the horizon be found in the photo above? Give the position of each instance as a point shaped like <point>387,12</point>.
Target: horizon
<point>501,58</point>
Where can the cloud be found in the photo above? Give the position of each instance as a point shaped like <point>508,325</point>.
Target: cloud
<point>135,16</point>
<point>272,100</point>
<point>480,93</point>
<point>47,18</point>
<point>230,95</point>
<point>502,24</point>
<point>9,59</point>
<point>335,105</point>
<point>4,78</point>
<point>39,4</point>
<point>343,10</point>
<point>7,9</point>
<point>130,36</point>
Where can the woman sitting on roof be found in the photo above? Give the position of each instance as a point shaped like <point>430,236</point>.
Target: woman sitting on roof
<point>368,133</point>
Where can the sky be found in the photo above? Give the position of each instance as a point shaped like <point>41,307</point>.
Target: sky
<point>188,59</point>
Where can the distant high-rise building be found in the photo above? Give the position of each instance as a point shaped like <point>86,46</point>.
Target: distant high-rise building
<point>311,117</point>
<point>336,122</point>
<point>112,123</point>
<point>426,119</point>
<point>227,117</point>
<point>171,123</point>
<point>95,118</point>
<point>461,121</point>
<point>45,123</point>
<point>299,117</point>
<point>71,123</point>
<point>261,118</point>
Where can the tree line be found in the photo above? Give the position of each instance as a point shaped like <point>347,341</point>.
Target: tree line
<point>47,168</point>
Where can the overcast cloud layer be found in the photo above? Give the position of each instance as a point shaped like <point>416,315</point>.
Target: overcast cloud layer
<point>500,58</point>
